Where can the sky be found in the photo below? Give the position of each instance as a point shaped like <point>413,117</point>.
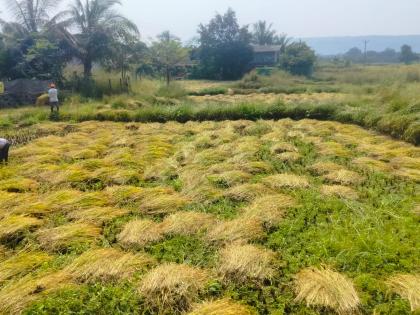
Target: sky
<point>297,18</point>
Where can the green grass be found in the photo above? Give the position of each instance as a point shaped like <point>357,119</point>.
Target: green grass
<point>400,121</point>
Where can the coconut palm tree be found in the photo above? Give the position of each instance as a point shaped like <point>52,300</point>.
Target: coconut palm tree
<point>263,34</point>
<point>30,17</point>
<point>282,40</point>
<point>97,25</point>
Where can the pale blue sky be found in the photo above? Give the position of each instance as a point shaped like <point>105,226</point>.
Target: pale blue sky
<point>298,18</point>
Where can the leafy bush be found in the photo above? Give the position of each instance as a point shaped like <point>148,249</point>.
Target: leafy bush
<point>298,59</point>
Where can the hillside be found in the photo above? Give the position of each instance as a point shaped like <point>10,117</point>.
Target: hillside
<point>340,45</point>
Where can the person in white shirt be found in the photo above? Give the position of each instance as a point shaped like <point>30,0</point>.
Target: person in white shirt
<point>4,150</point>
<point>53,97</point>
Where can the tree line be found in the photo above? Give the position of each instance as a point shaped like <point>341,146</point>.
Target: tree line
<point>356,55</point>
<point>39,44</point>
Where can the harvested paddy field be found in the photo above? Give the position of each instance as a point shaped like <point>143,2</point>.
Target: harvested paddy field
<point>270,98</point>
<point>233,217</point>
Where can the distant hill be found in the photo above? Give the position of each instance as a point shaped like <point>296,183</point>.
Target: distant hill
<point>340,45</point>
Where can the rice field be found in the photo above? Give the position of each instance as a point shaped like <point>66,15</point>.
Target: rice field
<point>230,217</point>
<point>268,98</point>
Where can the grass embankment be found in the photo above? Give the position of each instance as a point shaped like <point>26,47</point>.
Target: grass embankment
<point>249,217</point>
<point>396,116</point>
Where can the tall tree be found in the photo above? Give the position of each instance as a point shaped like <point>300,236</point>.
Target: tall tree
<point>97,25</point>
<point>225,51</point>
<point>31,48</point>
<point>167,52</point>
<point>263,33</point>
<point>407,55</point>
<point>298,59</point>
<point>126,51</point>
<point>283,41</point>
<point>30,17</point>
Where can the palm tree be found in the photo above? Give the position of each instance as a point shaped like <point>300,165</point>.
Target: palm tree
<point>263,34</point>
<point>30,17</point>
<point>97,25</point>
<point>282,40</point>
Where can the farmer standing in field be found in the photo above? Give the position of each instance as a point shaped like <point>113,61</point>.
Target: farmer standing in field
<point>53,97</point>
<point>4,150</point>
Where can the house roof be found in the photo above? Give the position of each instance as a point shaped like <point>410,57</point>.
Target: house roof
<point>266,48</point>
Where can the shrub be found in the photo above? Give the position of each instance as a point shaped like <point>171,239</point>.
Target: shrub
<point>298,59</point>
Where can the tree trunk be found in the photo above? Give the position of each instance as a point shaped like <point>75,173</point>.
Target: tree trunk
<point>87,68</point>
<point>168,76</point>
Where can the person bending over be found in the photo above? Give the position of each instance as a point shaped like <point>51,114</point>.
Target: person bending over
<point>4,150</point>
<point>53,97</point>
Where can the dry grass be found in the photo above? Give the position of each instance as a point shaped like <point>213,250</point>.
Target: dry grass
<point>344,177</point>
<point>255,167</point>
<point>289,157</point>
<point>333,149</point>
<point>229,178</point>
<point>173,287</point>
<point>86,177</point>
<point>326,288</point>
<point>322,168</point>
<point>124,195</point>
<point>339,191</point>
<point>22,263</point>
<point>15,296</point>
<point>69,235</point>
<point>97,215</point>
<point>283,147</point>
<point>156,202</point>
<point>238,230</point>
<point>372,164</point>
<point>246,192</point>
<point>269,209</point>
<point>107,264</point>
<point>282,181</point>
<point>15,224</point>
<point>19,185</point>
<point>140,233</point>
<point>408,287</point>
<point>241,263</point>
<point>187,223</point>
<point>221,307</point>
